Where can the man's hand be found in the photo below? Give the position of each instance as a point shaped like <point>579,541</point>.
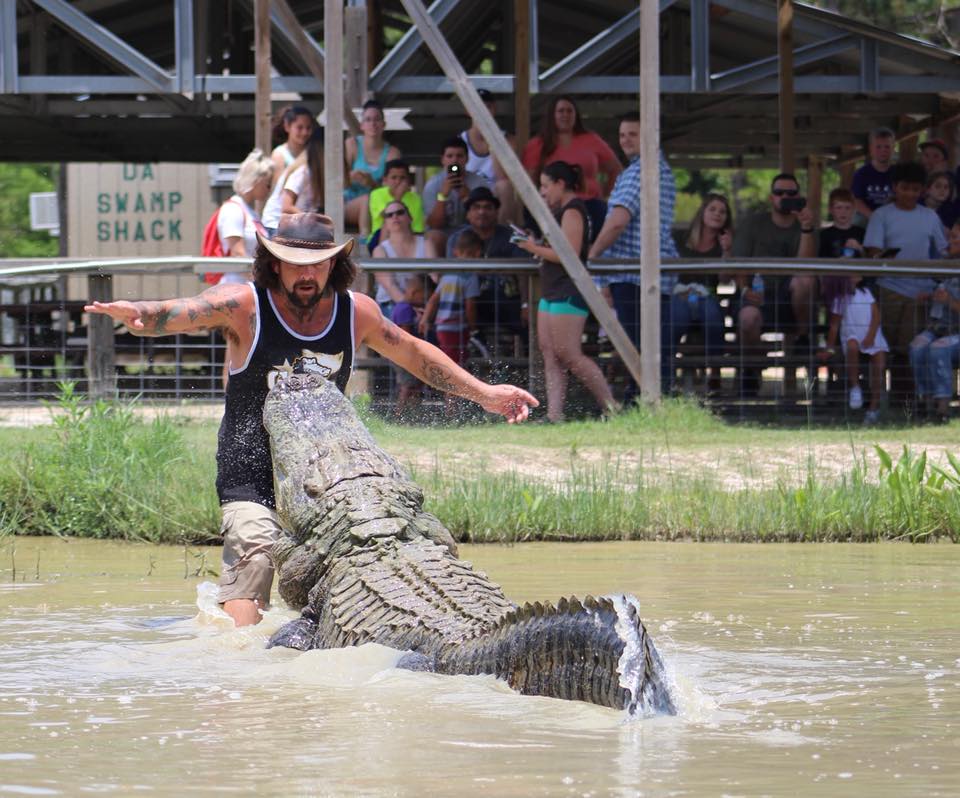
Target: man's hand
<point>127,313</point>
<point>509,401</point>
<point>805,217</point>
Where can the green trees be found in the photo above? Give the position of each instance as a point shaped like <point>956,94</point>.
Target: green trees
<point>17,182</point>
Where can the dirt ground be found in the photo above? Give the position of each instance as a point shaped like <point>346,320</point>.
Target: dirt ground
<point>730,466</point>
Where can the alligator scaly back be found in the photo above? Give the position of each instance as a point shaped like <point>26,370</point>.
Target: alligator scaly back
<point>367,565</point>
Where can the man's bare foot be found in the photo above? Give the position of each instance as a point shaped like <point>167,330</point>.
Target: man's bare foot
<point>245,612</point>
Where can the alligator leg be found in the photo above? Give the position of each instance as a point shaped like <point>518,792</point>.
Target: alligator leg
<point>298,634</point>
<point>415,661</point>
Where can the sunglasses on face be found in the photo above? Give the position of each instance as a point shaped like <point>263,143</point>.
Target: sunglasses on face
<point>786,192</point>
<point>391,214</point>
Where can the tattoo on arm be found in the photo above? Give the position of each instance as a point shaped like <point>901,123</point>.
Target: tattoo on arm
<point>438,377</point>
<point>155,316</point>
<point>391,333</point>
<point>200,310</point>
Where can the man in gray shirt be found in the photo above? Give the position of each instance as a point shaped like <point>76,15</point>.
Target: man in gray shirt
<point>784,303</point>
<point>445,194</point>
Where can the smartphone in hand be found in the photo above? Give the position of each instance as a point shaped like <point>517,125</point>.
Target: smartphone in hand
<point>519,234</point>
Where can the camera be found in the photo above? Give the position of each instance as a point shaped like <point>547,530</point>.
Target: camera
<point>453,169</point>
<point>793,204</point>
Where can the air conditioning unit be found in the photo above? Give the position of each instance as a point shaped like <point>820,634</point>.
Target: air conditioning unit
<point>222,174</point>
<point>45,212</point>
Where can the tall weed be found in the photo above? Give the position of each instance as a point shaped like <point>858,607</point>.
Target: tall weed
<point>104,473</point>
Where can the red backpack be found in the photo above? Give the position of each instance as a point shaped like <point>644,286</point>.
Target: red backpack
<point>210,244</point>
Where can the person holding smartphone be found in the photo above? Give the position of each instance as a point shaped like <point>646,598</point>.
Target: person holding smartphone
<point>782,303</point>
<point>445,194</point>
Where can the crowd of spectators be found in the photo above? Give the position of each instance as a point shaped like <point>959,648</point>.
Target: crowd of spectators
<point>468,209</point>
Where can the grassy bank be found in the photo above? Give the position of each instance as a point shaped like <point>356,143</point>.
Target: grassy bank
<point>101,471</point>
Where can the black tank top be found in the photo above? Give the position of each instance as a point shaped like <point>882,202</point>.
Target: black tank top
<point>555,283</point>
<point>244,467</point>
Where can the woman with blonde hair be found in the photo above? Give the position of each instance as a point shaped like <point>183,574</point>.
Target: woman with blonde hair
<point>694,302</point>
<point>238,218</point>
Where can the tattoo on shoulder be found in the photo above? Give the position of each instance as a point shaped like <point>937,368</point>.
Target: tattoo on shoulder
<point>391,333</point>
<point>438,376</point>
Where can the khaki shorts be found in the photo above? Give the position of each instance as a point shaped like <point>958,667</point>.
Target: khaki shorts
<point>249,531</point>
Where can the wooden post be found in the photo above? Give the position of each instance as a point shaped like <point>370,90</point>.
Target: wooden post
<point>521,72</point>
<point>355,25</point>
<point>650,200</point>
<point>948,132</point>
<point>101,354</point>
<point>846,170</point>
<point>262,109</point>
<point>815,187</point>
<point>785,57</point>
<point>521,181</point>
<point>333,102</point>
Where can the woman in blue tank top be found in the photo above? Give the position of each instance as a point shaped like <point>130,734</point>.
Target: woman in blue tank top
<point>366,158</point>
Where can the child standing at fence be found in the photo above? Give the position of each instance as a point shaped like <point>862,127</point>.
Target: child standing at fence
<point>407,315</point>
<point>453,306</point>
<point>855,317</point>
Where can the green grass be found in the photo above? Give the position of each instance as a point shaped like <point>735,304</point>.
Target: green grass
<point>100,471</point>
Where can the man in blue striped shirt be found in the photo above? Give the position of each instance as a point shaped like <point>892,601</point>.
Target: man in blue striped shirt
<point>620,238</point>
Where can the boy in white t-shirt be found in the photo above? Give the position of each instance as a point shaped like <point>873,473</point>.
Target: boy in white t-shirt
<point>855,318</point>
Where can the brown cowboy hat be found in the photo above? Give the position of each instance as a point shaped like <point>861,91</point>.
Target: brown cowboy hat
<point>304,239</point>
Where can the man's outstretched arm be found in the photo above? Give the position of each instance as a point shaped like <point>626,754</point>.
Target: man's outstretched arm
<point>219,307</point>
<point>430,365</point>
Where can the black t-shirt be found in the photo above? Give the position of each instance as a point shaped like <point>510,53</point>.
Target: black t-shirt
<point>244,464</point>
<point>832,240</point>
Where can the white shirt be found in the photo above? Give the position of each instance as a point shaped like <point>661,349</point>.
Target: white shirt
<point>237,220</point>
<point>855,311</point>
<point>297,182</point>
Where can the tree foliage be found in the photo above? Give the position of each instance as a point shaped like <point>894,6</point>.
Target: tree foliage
<point>925,19</point>
<point>17,182</point>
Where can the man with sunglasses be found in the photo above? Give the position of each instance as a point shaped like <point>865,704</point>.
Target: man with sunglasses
<point>784,302</point>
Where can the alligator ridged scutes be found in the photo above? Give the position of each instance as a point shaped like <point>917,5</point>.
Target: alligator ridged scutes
<point>367,565</point>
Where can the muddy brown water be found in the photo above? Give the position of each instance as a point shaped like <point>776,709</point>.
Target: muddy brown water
<point>799,669</point>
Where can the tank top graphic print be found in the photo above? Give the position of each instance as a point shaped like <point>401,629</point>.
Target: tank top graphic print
<point>244,467</point>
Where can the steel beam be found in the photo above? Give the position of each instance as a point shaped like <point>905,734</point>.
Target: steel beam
<point>869,66</point>
<point>103,40</point>
<point>589,52</point>
<point>8,47</point>
<point>739,77</point>
<point>700,45</point>
<point>183,33</point>
<point>389,68</point>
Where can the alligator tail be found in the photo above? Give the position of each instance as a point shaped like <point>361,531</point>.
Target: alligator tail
<point>596,651</point>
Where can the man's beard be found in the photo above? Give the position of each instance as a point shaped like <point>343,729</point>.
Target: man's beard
<point>304,304</point>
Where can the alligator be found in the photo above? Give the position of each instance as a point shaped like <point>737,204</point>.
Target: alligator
<point>366,564</point>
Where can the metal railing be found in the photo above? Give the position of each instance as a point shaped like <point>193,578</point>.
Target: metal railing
<point>45,337</point>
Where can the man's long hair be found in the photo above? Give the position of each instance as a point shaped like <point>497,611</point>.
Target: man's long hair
<point>341,275</point>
